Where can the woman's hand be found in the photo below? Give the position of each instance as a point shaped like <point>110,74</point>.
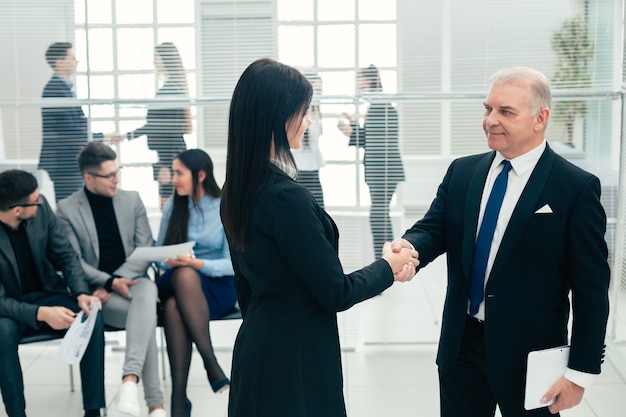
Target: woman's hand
<point>185,260</point>
<point>346,128</point>
<point>403,261</point>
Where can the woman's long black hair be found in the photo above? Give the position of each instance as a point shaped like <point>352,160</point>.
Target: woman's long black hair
<point>268,96</point>
<point>195,160</point>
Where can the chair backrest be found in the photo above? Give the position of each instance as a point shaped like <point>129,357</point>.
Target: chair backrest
<point>39,337</point>
<point>233,314</point>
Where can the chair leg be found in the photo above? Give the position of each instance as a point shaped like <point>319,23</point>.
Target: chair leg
<point>71,378</point>
<point>162,351</point>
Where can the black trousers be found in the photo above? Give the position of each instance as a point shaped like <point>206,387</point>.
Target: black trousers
<point>465,390</point>
<point>380,217</point>
<point>91,365</point>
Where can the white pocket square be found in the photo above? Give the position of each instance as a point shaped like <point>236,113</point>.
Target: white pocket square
<point>544,210</point>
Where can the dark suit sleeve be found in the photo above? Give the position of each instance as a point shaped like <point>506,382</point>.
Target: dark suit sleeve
<point>357,137</point>
<point>587,253</point>
<point>428,234</point>
<point>381,127</point>
<point>298,225</point>
<point>163,122</point>
<point>65,121</point>
<point>17,310</point>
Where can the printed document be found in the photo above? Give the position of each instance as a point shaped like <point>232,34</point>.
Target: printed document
<point>160,253</point>
<point>77,338</point>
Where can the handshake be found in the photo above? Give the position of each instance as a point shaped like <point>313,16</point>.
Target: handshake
<point>402,258</point>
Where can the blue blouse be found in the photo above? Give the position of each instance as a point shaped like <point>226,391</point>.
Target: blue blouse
<point>206,229</point>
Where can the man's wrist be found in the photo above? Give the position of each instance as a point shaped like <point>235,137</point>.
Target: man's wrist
<point>582,379</point>
<point>108,285</point>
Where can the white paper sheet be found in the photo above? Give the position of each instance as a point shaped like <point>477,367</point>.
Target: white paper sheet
<point>75,341</point>
<point>160,253</point>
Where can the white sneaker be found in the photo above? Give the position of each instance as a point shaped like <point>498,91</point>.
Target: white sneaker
<point>127,399</point>
<point>158,412</point>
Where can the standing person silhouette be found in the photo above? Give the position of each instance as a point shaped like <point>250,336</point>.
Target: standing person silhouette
<point>309,157</point>
<point>65,129</point>
<point>289,280</point>
<point>166,125</point>
<point>381,160</point>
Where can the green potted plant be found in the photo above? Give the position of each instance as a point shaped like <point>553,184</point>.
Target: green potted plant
<point>573,48</point>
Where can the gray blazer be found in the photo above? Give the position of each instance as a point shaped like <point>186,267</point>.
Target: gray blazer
<point>134,229</point>
<point>51,253</point>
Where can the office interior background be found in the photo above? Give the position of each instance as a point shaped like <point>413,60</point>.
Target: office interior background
<point>435,59</point>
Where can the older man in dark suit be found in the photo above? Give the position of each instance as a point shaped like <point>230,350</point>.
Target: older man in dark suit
<point>523,229</point>
<point>33,296</point>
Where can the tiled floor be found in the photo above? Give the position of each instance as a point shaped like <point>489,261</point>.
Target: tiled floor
<point>389,347</point>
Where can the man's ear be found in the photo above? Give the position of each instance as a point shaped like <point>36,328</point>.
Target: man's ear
<point>541,119</point>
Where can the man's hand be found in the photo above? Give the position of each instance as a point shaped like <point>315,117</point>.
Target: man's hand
<point>84,301</point>
<point>567,395</point>
<point>114,137</point>
<point>403,263</point>
<point>102,294</point>
<point>399,244</point>
<point>59,318</point>
<point>122,286</point>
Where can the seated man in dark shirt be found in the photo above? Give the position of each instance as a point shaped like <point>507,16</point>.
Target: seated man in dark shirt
<point>33,296</point>
<point>106,225</point>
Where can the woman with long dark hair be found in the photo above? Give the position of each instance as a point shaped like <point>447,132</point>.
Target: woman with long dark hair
<point>196,286</point>
<point>166,125</point>
<point>288,277</point>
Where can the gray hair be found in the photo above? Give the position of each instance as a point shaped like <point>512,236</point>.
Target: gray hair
<point>540,96</point>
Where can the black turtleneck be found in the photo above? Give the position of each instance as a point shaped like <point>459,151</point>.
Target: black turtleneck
<point>111,248</point>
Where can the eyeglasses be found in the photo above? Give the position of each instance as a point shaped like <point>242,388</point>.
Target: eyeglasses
<point>109,177</point>
<point>37,203</point>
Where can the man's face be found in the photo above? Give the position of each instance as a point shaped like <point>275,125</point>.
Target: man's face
<point>66,66</point>
<point>507,121</point>
<point>28,210</point>
<point>103,181</point>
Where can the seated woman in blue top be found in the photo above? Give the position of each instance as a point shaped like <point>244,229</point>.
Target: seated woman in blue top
<point>199,285</point>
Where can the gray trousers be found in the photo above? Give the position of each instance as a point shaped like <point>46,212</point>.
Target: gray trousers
<point>138,317</point>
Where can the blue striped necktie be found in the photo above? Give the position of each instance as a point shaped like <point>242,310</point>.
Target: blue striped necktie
<point>485,236</point>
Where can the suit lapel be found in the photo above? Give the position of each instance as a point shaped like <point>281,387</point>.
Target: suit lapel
<point>90,225</point>
<point>523,210</point>
<point>122,215</point>
<point>472,209</point>
<point>7,249</point>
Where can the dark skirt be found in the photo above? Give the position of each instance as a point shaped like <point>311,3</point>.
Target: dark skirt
<point>218,291</point>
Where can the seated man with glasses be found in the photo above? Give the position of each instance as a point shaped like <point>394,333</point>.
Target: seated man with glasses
<point>107,224</point>
<point>33,296</point>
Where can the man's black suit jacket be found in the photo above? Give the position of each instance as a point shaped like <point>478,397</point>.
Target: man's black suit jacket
<point>541,260</point>
<point>65,132</point>
<point>52,252</point>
